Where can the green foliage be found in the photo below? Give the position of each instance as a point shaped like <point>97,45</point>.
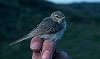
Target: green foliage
<point>18,17</point>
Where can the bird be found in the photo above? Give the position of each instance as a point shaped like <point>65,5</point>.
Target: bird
<point>51,28</point>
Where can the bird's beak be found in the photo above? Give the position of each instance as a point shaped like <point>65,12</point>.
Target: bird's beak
<point>64,17</point>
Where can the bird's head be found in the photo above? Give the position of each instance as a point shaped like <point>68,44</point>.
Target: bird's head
<point>57,16</point>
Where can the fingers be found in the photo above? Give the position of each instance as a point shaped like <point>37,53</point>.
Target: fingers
<point>48,49</point>
<point>60,55</point>
<point>36,44</point>
<point>63,55</point>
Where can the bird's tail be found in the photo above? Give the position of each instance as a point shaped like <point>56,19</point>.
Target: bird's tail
<point>21,39</point>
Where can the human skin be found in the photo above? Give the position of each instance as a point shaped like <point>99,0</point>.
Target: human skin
<point>46,49</point>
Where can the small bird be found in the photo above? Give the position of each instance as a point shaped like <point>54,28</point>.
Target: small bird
<point>51,28</point>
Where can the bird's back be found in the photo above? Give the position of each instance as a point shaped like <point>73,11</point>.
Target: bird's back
<point>47,26</point>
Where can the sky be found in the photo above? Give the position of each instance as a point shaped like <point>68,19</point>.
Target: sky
<point>72,1</point>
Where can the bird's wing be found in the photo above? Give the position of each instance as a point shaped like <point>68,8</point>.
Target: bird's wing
<point>47,26</point>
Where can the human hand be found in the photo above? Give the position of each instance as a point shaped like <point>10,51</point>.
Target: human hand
<point>46,50</point>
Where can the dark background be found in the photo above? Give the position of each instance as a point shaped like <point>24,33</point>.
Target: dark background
<point>18,17</point>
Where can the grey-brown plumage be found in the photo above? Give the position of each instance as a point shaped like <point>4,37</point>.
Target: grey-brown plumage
<point>51,28</point>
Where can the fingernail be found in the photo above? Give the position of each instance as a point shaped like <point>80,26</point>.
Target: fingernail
<point>36,45</point>
<point>46,55</point>
<point>33,58</point>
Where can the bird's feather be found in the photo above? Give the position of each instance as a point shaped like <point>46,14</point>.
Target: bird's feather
<point>47,26</point>
<point>21,39</point>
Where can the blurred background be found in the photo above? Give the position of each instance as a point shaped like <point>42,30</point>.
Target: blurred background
<point>81,39</point>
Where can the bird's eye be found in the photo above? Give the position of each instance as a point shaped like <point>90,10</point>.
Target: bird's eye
<point>57,16</point>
